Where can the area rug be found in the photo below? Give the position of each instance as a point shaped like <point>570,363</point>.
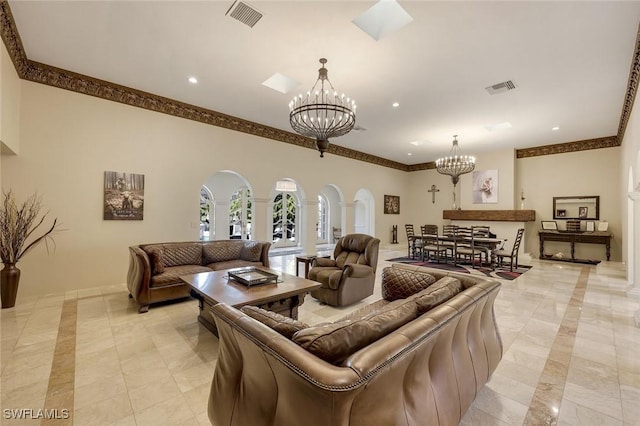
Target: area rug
<point>499,272</point>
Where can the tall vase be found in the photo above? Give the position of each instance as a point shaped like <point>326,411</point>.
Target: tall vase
<point>9,279</point>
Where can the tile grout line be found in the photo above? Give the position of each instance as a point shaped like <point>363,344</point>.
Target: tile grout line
<point>60,392</point>
<point>545,404</point>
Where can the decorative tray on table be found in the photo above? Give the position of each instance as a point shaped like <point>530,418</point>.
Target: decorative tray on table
<point>251,276</point>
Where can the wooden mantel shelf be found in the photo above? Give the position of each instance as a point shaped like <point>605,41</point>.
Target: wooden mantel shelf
<point>492,215</point>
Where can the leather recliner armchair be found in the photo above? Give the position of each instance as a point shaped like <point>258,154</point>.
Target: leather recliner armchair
<point>350,276</point>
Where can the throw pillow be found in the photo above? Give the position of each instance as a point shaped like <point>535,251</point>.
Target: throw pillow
<point>251,251</point>
<point>335,342</point>
<point>283,325</point>
<point>156,255</point>
<point>444,289</point>
<point>400,283</point>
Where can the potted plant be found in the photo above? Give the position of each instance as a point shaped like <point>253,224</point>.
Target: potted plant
<point>18,235</point>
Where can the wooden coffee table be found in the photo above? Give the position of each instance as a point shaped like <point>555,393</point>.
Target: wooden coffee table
<point>211,288</point>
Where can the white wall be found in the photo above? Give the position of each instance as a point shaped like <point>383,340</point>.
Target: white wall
<point>593,172</point>
<point>68,140</point>
<point>630,160</point>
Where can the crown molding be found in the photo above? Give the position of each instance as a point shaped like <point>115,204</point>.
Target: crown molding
<point>68,80</point>
<point>11,39</point>
<point>632,89</point>
<point>563,148</point>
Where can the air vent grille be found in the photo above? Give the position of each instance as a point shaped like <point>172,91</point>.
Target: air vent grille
<point>505,86</point>
<point>244,13</point>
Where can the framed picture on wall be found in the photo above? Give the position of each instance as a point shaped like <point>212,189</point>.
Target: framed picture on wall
<point>123,196</point>
<point>391,204</point>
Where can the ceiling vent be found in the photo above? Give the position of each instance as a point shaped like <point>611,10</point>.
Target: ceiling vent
<point>244,13</point>
<point>505,86</point>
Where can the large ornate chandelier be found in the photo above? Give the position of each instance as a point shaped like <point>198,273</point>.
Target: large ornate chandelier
<point>322,113</point>
<point>455,165</point>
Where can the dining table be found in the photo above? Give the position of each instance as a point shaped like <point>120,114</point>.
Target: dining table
<point>491,243</point>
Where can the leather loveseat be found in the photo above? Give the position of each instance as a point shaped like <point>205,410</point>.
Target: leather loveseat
<point>155,269</point>
<point>418,356</point>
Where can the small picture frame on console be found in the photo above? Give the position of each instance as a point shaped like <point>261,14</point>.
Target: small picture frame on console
<point>590,226</point>
<point>582,212</point>
<point>549,225</point>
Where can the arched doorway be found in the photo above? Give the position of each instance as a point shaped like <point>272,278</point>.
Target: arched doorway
<point>364,212</point>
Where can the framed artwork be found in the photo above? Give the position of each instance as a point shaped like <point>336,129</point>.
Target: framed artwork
<point>591,226</point>
<point>391,204</point>
<point>123,196</point>
<point>485,187</point>
<point>549,225</point>
<point>582,212</point>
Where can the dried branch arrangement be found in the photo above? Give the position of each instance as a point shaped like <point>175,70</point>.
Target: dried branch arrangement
<point>18,227</point>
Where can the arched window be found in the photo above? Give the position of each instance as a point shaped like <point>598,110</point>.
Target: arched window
<point>240,214</point>
<point>323,219</point>
<point>285,208</point>
<point>207,215</point>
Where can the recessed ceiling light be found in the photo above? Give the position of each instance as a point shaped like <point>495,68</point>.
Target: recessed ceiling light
<point>555,128</point>
<point>416,143</point>
<point>409,154</point>
<point>193,80</point>
<point>395,104</point>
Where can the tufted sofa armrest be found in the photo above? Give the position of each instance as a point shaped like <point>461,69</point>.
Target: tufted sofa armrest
<point>139,276</point>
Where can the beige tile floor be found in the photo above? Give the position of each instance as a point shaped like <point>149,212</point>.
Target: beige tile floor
<point>571,354</point>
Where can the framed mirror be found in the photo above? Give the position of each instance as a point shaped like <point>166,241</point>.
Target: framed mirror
<point>581,207</point>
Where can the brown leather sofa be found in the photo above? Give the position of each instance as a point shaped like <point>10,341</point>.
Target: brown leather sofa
<point>351,274</point>
<point>423,371</point>
<point>154,269</point>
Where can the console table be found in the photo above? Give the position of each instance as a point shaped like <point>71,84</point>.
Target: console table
<point>573,238</point>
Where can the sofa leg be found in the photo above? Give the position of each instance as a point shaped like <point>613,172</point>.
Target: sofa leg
<point>143,309</point>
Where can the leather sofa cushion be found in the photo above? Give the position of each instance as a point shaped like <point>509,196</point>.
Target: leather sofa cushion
<point>251,251</point>
<point>220,252</point>
<point>283,325</point>
<point>156,255</point>
<point>182,254</point>
<point>444,289</point>
<point>171,274</point>
<point>401,283</point>
<point>337,341</point>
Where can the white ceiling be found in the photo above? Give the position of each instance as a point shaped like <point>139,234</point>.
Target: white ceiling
<point>570,62</point>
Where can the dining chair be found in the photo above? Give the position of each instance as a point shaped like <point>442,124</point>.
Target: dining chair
<point>464,246</point>
<point>448,232</point>
<point>413,243</point>
<point>513,254</point>
<point>432,244</point>
<point>482,231</point>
